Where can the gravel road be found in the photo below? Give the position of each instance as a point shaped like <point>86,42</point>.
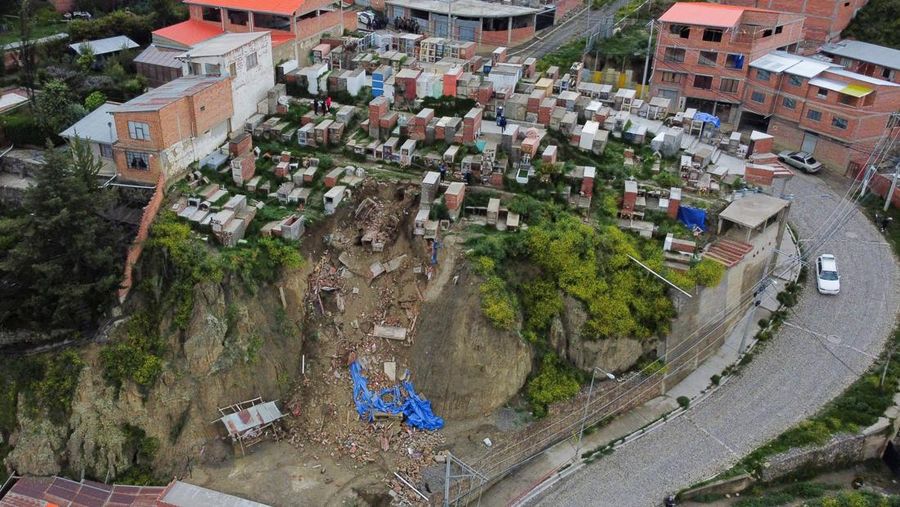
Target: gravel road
<point>795,375</point>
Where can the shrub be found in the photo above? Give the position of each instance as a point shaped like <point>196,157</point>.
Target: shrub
<point>137,357</point>
<point>707,272</point>
<point>22,130</point>
<point>715,379</point>
<point>683,401</point>
<point>497,303</point>
<point>552,383</point>
<point>94,100</point>
<point>57,387</point>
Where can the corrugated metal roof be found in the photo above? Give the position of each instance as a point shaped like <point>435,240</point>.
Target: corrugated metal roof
<point>98,126</point>
<point>182,494</point>
<point>222,44</point>
<point>863,78</point>
<point>61,491</point>
<point>253,417</point>
<point>158,98</point>
<point>808,68</point>
<point>865,52</point>
<point>159,57</point>
<point>105,46</point>
<point>773,63</point>
<point>704,14</point>
<point>828,84</point>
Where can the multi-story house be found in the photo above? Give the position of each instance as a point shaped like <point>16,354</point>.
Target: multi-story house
<point>703,49</point>
<point>162,132</point>
<point>864,58</point>
<point>820,108</point>
<point>246,58</point>
<point>825,19</point>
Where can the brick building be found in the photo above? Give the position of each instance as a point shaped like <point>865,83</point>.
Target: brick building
<point>295,25</point>
<point>244,57</point>
<point>487,23</point>
<point>825,19</point>
<point>819,107</point>
<point>703,51</point>
<point>163,131</point>
<point>864,58</point>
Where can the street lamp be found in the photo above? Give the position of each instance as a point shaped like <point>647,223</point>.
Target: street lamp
<point>594,371</point>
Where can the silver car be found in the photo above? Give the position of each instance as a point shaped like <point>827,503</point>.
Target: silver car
<point>801,160</point>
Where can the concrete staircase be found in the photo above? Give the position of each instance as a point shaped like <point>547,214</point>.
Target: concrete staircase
<point>728,252</point>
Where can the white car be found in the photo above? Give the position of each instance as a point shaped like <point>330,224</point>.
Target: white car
<point>801,160</point>
<point>828,281</point>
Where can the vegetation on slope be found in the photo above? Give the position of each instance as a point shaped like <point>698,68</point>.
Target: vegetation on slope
<point>878,22</point>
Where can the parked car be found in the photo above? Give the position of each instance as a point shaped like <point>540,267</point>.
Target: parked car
<point>801,160</point>
<point>365,18</point>
<point>828,281</point>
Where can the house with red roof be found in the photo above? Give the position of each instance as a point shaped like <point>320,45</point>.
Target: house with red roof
<point>295,27</point>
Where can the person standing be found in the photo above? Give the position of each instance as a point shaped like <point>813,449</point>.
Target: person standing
<point>328,104</point>
<point>316,106</point>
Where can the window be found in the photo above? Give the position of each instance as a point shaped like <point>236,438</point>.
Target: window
<point>137,160</point>
<point>848,100</point>
<point>194,69</point>
<point>837,121</point>
<point>703,82</point>
<point>712,35</point>
<point>822,93</point>
<point>232,69</point>
<point>887,74</point>
<point>271,21</point>
<point>682,31</point>
<point>779,29</point>
<point>202,108</point>
<point>238,18</point>
<point>139,130</point>
<point>814,115</point>
<point>789,103</point>
<point>211,69</point>
<point>252,61</point>
<point>762,75</point>
<point>106,150</point>
<point>795,80</point>
<point>733,61</point>
<point>758,97</point>
<point>728,85</point>
<point>672,77</point>
<point>674,55</point>
<point>212,14</point>
<point>767,32</point>
<point>708,58</point>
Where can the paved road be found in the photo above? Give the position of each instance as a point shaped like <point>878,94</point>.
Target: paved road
<point>579,25</point>
<point>795,375</point>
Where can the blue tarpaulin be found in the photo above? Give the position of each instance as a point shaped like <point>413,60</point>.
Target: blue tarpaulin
<point>692,217</point>
<point>393,400</point>
<point>708,118</point>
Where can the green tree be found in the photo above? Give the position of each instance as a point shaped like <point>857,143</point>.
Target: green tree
<point>55,109</point>
<point>86,58</point>
<point>65,262</point>
<point>94,100</point>
<point>552,383</point>
<point>877,23</point>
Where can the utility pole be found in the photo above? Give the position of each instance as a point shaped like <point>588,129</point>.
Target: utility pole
<point>890,195</point>
<point>646,78</point>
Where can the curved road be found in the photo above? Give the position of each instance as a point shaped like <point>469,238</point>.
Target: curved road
<point>796,374</point>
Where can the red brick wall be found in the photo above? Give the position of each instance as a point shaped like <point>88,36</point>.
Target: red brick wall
<point>501,37</point>
<point>137,246</point>
<point>881,185</point>
<point>564,6</point>
<point>329,22</point>
<point>824,18</point>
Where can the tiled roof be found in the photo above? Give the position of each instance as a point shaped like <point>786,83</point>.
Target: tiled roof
<point>285,7</point>
<point>38,492</point>
<point>189,32</point>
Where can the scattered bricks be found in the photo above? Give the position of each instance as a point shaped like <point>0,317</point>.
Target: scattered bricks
<point>240,144</point>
